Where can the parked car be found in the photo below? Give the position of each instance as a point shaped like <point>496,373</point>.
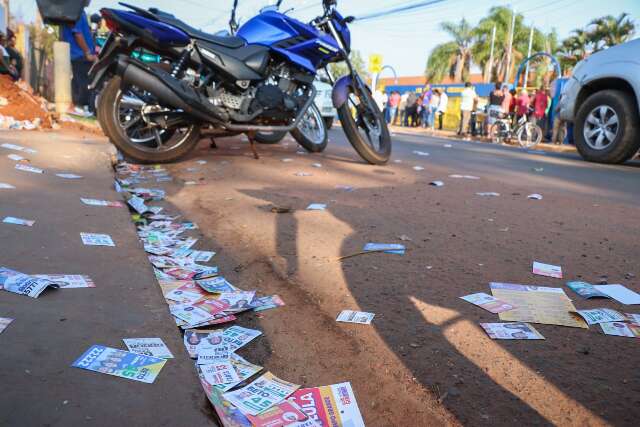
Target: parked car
<point>602,100</point>
<point>324,102</point>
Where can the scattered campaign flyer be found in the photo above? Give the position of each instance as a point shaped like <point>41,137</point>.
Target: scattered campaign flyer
<point>137,203</point>
<point>96,202</point>
<point>201,256</point>
<point>216,285</point>
<point>229,415</point>
<point>213,353</point>
<point>262,394</point>
<point>68,176</point>
<point>190,314</point>
<point>619,293</point>
<point>92,239</point>
<point>5,186</point>
<point>620,329</point>
<point>547,270</point>
<point>388,248</point>
<point>237,301</point>
<point>149,347</point>
<point>68,281</point>
<point>23,284</point>
<point>601,315</point>
<point>18,148</point>
<point>488,302</point>
<point>220,372</point>
<point>188,293</point>
<point>193,338</point>
<point>4,322</point>
<point>586,290</point>
<point>316,207</point>
<point>244,369</point>
<point>457,176</point>
<point>511,331</point>
<point>27,168</point>
<point>350,316</point>
<point>537,304</point>
<point>330,406</point>
<point>18,221</point>
<point>120,363</point>
<point>284,414</point>
<point>16,157</point>
<point>267,303</point>
<point>633,318</point>
<point>237,336</point>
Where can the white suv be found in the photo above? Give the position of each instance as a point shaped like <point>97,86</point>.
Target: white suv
<point>602,99</point>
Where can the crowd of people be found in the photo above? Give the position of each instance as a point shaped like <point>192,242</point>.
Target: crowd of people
<point>428,109</point>
<point>11,62</point>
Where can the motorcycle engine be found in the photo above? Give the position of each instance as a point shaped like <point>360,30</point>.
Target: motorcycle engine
<point>276,104</point>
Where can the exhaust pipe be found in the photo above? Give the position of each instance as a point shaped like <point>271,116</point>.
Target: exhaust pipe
<point>168,90</point>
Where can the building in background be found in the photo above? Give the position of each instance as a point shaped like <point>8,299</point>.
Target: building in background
<point>4,15</point>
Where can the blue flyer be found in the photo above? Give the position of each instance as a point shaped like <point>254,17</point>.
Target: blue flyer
<point>120,363</point>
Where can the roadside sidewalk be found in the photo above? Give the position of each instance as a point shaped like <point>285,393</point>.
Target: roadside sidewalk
<point>49,333</point>
<point>553,148</point>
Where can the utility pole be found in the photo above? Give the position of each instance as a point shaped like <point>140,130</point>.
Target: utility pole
<point>511,30</point>
<point>526,71</point>
<point>487,78</point>
<point>62,75</point>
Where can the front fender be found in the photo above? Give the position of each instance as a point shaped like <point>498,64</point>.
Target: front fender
<point>341,91</point>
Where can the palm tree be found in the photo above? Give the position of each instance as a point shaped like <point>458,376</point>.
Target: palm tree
<point>610,31</point>
<point>576,47</point>
<point>452,58</point>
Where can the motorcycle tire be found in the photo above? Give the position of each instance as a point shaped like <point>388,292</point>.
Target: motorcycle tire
<point>360,144</point>
<point>269,137</point>
<point>314,141</point>
<point>139,152</point>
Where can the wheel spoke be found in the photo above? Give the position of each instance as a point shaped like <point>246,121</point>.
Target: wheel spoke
<point>610,135</point>
<point>156,133</point>
<point>593,119</point>
<point>599,140</point>
<point>613,120</point>
<point>603,113</point>
<point>132,122</point>
<point>590,133</point>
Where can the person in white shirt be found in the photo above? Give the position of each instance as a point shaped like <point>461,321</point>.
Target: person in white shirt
<point>469,98</point>
<point>442,107</point>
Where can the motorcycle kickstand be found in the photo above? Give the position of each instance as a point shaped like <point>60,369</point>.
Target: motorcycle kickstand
<point>213,143</point>
<point>251,135</point>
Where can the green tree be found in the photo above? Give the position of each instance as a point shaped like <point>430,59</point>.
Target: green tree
<point>453,58</point>
<point>576,47</point>
<point>340,69</point>
<point>610,30</point>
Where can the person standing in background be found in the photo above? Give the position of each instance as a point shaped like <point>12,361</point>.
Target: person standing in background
<point>442,107</point>
<point>494,109</point>
<point>83,55</point>
<point>402,107</point>
<point>392,110</point>
<point>411,110</point>
<point>5,60</point>
<point>433,108</point>
<point>467,103</point>
<point>15,58</point>
<point>522,104</point>
<point>506,101</point>
<point>426,103</point>
<point>540,102</point>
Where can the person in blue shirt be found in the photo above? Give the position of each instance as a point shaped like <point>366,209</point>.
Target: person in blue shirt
<point>83,55</point>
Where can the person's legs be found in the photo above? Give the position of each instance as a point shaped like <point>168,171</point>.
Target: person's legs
<point>81,78</point>
<point>464,123</point>
<point>392,114</point>
<point>440,119</point>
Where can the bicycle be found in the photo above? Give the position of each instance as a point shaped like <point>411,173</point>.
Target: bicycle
<point>528,134</point>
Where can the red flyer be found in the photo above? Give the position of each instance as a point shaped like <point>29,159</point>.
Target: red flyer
<point>281,415</point>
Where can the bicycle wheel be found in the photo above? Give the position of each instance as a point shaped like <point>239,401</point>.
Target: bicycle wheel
<point>498,132</point>
<point>529,135</point>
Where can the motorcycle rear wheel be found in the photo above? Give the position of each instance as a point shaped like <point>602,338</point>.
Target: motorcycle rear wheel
<point>163,147</point>
<point>311,133</point>
<point>270,137</point>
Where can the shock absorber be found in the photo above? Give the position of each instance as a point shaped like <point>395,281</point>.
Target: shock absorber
<point>179,67</point>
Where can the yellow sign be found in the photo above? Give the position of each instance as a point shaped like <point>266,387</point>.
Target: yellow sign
<point>375,63</point>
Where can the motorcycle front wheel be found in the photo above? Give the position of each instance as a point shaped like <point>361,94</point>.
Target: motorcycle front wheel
<point>365,127</point>
<point>121,115</point>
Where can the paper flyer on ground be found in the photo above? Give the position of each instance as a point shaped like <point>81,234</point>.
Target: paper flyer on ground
<point>388,248</point>
<point>4,322</point>
<point>229,415</point>
<point>262,394</point>
<point>350,316</point>
<point>237,336</point>
<point>244,369</point>
<point>633,318</point>
<point>601,315</point>
<point>537,304</point>
<point>511,331</point>
<point>547,270</point>
<point>190,314</point>
<point>488,302</point>
<point>620,293</point>
<point>620,329</point>
<point>216,285</point>
<point>23,284</point>
<point>189,293</point>
<point>266,303</point>
<point>330,406</point>
<point>96,202</point>
<point>18,221</point>
<point>92,239</point>
<point>192,339</point>
<point>68,281</point>
<point>212,353</point>
<point>237,301</point>
<point>284,414</point>
<point>119,363</point>
<point>220,372</point>
<point>586,290</point>
<point>149,347</point>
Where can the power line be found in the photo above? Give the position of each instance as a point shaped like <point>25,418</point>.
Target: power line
<point>399,9</point>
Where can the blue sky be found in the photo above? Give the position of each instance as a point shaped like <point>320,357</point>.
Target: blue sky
<point>404,40</point>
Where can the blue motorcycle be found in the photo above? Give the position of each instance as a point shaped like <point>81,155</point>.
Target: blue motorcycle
<point>258,80</point>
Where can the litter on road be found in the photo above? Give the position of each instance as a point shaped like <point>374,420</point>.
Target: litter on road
<point>511,331</point>
<point>120,363</point>
<point>620,329</point>
<point>437,183</point>
<point>316,165</point>
<point>488,302</point>
<point>149,347</point>
<point>489,194</point>
<point>303,174</point>
<point>534,196</point>
<point>92,239</point>
<point>96,202</point>
<point>18,221</point>
<point>601,315</point>
<point>68,176</point>
<point>27,168</point>
<point>5,186</point>
<point>263,393</point>
<point>547,270</point>
<point>316,207</point>
<point>586,290</point>
<point>333,403</point>
<point>418,168</point>
<point>68,281</point>
<point>619,293</point>
<point>388,248</point>
<point>420,153</point>
<point>350,316</point>
<point>219,373</point>
<point>18,148</point>
<point>16,157</point>
<point>4,322</point>
<point>286,413</point>
<point>23,284</point>
<point>347,188</point>
<point>456,176</point>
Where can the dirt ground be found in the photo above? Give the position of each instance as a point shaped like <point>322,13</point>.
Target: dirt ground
<point>425,360</point>
<point>22,105</point>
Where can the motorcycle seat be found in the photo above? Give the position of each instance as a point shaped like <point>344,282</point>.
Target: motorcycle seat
<point>230,42</point>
